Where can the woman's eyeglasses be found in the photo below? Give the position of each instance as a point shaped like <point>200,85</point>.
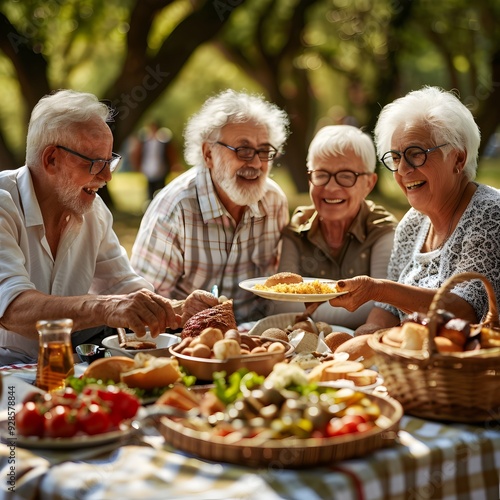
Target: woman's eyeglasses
<point>415,156</point>
<point>344,178</point>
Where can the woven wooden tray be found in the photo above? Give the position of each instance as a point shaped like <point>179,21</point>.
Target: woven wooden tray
<point>456,387</point>
<point>289,453</point>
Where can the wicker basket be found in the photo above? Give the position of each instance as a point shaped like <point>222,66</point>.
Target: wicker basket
<point>456,387</point>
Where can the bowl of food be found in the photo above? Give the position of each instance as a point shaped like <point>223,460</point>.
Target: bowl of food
<point>162,344</point>
<point>212,351</point>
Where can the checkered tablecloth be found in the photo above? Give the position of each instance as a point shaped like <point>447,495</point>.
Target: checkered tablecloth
<point>431,460</point>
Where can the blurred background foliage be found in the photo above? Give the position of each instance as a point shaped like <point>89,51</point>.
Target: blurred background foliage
<point>323,61</point>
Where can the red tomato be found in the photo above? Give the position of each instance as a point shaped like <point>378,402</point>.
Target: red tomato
<point>124,404</point>
<point>30,420</point>
<point>344,425</point>
<point>94,419</point>
<point>60,421</point>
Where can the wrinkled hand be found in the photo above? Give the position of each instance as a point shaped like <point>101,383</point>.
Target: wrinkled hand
<point>197,301</point>
<point>361,290</point>
<point>139,310</point>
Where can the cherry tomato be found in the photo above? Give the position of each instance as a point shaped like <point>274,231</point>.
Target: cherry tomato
<point>124,404</point>
<point>30,420</point>
<point>344,425</point>
<point>60,421</point>
<point>94,419</point>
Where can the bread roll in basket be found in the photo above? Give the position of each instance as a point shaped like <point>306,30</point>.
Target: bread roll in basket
<point>452,386</point>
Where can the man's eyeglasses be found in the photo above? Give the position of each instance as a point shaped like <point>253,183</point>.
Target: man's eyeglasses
<point>344,178</point>
<point>97,165</point>
<point>415,156</point>
<point>247,154</point>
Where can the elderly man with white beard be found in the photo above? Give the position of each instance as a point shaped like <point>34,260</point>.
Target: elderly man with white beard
<point>220,222</point>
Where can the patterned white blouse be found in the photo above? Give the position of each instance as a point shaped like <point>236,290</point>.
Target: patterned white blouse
<point>473,246</point>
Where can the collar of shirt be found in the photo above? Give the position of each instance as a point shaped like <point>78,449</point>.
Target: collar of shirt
<point>306,220</point>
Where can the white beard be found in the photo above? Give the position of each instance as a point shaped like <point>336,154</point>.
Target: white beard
<point>70,197</point>
<point>239,194</point>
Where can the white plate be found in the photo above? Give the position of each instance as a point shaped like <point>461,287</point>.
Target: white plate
<point>249,286</point>
<point>283,321</point>
<point>163,342</point>
<point>74,442</point>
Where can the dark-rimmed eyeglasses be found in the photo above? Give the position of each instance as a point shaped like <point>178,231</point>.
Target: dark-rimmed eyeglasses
<point>96,165</point>
<point>247,154</point>
<point>415,156</point>
<point>344,178</point>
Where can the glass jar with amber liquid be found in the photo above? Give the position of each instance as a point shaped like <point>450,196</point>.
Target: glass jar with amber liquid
<point>55,354</point>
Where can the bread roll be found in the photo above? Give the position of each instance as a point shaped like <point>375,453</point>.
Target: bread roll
<point>457,330</point>
<point>393,336</point>
<point>226,348</point>
<point>358,349</point>
<point>444,344</point>
<point>155,372</point>
<point>107,369</point>
<point>414,335</point>
<point>323,327</point>
<point>335,339</point>
<point>275,333</point>
<point>284,277</point>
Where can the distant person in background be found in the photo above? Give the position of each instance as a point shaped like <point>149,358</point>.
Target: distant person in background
<point>220,222</point>
<point>154,155</point>
<point>342,234</point>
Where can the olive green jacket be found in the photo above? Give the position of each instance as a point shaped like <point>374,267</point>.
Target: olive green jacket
<point>306,252</point>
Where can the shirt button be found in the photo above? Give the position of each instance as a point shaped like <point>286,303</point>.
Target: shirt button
<point>363,255</point>
<point>351,271</point>
<point>322,273</point>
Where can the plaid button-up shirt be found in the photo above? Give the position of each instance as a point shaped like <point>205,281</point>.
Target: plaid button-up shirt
<point>188,241</point>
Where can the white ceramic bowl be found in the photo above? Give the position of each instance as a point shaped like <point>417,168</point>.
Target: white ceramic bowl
<point>163,342</point>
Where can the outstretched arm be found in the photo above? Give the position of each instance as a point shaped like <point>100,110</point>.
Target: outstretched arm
<point>404,297</point>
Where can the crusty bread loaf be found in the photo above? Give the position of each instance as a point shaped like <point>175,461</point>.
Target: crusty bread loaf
<point>156,372</point>
<point>283,278</point>
<point>220,316</point>
<point>335,339</point>
<point>107,369</point>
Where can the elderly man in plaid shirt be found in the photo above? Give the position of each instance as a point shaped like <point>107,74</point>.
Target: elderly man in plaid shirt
<point>220,222</point>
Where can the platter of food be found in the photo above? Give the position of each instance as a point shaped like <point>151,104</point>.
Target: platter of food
<point>61,443</point>
<point>67,419</point>
<point>308,290</point>
<point>256,429</point>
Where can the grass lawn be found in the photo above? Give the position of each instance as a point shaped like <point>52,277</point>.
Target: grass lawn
<point>129,189</point>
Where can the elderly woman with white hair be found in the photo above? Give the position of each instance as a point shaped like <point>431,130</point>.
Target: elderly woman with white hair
<point>220,222</point>
<point>342,234</point>
<point>430,141</point>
